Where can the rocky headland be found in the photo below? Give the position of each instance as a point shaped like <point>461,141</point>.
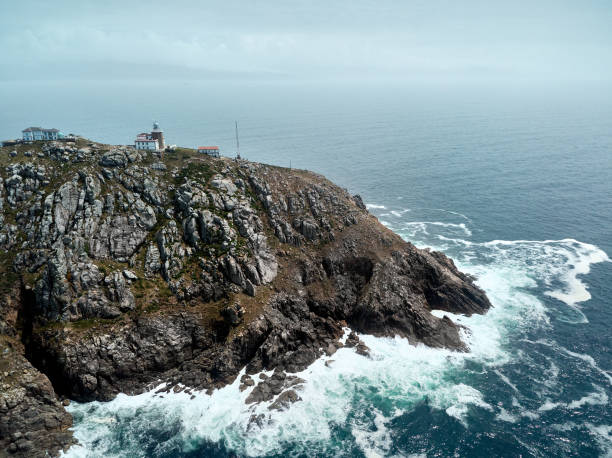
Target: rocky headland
<point>121,269</point>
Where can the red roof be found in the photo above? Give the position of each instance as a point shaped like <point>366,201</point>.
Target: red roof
<point>208,147</point>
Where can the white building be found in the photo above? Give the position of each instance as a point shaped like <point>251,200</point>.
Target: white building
<point>38,133</point>
<point>210,150</point>
<point>147,142</point>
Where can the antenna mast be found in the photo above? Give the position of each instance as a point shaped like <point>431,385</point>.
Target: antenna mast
<point>237,143</point>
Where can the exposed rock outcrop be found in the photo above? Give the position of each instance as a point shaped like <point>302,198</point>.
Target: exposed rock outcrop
<point>122,268</point>
<point>32,418</point>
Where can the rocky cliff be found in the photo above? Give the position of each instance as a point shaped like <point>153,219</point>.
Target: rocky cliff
<point>122,268</point>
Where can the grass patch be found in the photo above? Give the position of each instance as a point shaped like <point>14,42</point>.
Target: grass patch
<point>8,277</point>
<point>195,170</point>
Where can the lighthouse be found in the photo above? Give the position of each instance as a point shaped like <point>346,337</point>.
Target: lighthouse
<point>158,134</point>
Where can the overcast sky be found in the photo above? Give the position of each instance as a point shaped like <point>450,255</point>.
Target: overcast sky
<point>536,40</point>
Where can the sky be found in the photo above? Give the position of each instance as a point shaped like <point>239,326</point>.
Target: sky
<point>535,40</point>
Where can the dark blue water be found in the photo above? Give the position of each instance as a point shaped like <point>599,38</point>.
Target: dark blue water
<point>514,183</point>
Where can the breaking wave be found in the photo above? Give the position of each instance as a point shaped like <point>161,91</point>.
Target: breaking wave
<point>351,405</point>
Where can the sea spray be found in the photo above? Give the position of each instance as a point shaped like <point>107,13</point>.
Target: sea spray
<point>349,402</point>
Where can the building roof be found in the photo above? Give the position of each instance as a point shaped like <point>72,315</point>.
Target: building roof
<point>34,129</point>
<point>208,147</point>
<point>146,140</point>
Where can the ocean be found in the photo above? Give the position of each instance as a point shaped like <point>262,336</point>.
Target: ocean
<point>514,183</point>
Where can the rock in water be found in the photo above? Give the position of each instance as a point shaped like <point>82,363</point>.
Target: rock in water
<point>191,269</point>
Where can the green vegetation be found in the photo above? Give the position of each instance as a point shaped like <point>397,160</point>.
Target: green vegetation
<point>81,325</point>
<point>197,169</point>
<point>152,307</point>
<point>85,324</point>
<point>8,277</point>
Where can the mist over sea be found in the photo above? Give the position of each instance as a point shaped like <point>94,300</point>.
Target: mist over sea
<point>514,183</point>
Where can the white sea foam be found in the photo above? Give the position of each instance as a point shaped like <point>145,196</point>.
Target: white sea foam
<point>551,375</point>
<point>423,227</point>
<point>429,210</point>
<point>581,356</point>
<point>461,397</point>
<point>506,380</point>
<point>402,374</point>
<point>375,443</point>
<point>375,206</point>
<point>399,371</point>
<point>529,414</point>
<point>601,433</point>
<point>449,212</point>
<point>563,261</point>
<point>548,405</point>
<point>506,416</point>
<point>598,397</point>
<point>590,361</point>
<point>579,262</point>
<point>547,262</point>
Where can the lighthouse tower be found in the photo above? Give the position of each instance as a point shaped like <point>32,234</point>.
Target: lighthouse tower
<point>158,135</point>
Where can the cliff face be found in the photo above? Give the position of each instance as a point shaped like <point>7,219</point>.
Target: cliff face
<point>121,268</point>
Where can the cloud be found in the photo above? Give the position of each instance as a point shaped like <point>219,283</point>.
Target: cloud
<point>426,39</point>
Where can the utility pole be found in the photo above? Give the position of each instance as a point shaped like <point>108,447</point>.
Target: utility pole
<point>237,143</point>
